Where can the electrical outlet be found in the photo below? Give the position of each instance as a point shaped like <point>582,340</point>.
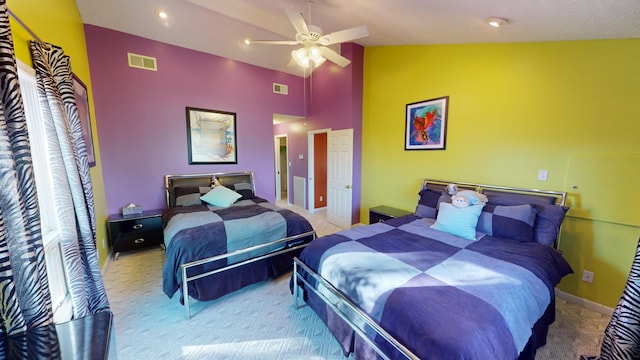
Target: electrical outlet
<point>587,276</point>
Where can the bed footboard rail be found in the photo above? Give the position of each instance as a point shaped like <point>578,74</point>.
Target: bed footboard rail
<point>298,280</point>
<point>290,245</point>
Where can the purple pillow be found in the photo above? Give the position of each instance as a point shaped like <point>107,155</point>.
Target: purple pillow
<point>506,198</point>
<point>428,203</point>
<point>548,221</point>
<point>508,222</point>
<point>546,227</point>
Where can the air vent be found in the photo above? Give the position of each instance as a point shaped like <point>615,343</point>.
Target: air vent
<point>142,62</point>
<point>280,89</point>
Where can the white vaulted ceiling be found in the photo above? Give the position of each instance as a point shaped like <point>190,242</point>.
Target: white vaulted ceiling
<point>220,26</point>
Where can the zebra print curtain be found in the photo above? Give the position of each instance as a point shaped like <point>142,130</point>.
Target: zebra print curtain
<point>622,336</point>
<point>25,303</point>
<point>69,162</point>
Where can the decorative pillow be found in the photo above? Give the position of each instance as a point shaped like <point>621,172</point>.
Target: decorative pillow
<point>506,198</point>
<point>184,190</point>
<point>188,200</point>
<point>458,221</point>
<point>220,196</point>
<point>204,189</point>
<point>242,186</point>
<point>548,221</point>
<point>245,190</point>
<point>428,203</point>
<point>508,222</point>
<point>546,227</point>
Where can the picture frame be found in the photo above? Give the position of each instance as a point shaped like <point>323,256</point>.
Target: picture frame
<point>82,101</point>
<point>211,136</point>
<point>426,124</point>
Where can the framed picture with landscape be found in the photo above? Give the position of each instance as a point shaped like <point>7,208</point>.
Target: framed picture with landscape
<point>426,124</point>
<point>211,136</point>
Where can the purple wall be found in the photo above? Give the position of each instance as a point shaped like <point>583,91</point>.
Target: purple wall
<point>335,101</point>
<point>141,121</point>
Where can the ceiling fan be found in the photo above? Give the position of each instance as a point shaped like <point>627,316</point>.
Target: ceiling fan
<point>314,42</point>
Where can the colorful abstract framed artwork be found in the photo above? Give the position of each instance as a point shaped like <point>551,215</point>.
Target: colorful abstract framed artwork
<point>82,101</point>
<point>426,124</point>
<point>211,136</point>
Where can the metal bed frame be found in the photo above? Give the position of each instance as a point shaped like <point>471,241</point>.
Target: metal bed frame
<point>298,280</point>
<point>171,181</point>
<point>561,195</point>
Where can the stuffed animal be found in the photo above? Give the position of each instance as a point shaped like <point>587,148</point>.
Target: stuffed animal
<point>465,198</point>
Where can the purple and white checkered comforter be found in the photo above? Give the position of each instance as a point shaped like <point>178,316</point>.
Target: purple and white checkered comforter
<point>441,296</point>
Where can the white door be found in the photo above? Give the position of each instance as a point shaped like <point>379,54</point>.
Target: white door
<point>339,177</point>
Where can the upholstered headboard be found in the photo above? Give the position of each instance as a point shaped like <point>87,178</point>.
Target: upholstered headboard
<point>174,182</point>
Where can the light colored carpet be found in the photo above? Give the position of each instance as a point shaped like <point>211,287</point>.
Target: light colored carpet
<point>260,321</point>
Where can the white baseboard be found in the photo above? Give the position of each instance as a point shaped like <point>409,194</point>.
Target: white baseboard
<point>106,263</point>
<point>594,306</point>
<point>313,211</point>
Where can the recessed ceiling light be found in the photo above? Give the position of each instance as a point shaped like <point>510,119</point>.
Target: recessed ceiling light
<point>496,21</point>
<point>163,14</point>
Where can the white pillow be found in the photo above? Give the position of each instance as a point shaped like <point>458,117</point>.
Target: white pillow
<point>220,196</point>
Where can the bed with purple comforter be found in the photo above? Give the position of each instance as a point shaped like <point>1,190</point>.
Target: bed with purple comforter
<point>197,232</point>
<point>220,249</point>
<point>439,295</point>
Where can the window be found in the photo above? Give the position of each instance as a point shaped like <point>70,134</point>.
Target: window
<point>60,297</point>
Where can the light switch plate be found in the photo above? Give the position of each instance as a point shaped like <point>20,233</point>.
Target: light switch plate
<point>543,175</point>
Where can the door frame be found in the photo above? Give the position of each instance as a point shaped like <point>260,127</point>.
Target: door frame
<point>311,203</point>
<point>278,166</point>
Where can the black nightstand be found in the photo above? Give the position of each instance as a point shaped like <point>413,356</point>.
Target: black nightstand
<point>135,231</point>
<point>382,213</point>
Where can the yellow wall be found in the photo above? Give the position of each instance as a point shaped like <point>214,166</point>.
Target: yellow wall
<point>60,24</point>
<point>513,109</point>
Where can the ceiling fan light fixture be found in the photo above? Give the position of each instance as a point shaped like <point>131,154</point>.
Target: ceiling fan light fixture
<point>315,55</point>
<point>314,50</point>
<point>304,56</point>
<point>301,57</point>
<point>496,21</point>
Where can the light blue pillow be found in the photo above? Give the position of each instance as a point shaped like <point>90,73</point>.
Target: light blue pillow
<point>220,196</point>
<point>458,221</point>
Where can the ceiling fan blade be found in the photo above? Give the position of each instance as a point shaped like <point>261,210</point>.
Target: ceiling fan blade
<point>344,35</point>
<point>334,56</point>
<point>298,22</point>
<point>273,42</point>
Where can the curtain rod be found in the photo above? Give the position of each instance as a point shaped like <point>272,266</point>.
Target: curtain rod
<point>24,26</point>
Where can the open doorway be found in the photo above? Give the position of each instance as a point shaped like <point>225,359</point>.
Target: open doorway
<point>281,168</point>
<point>317,150</point>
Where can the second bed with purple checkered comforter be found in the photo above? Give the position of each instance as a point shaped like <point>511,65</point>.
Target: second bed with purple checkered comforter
<point>441,296</point>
